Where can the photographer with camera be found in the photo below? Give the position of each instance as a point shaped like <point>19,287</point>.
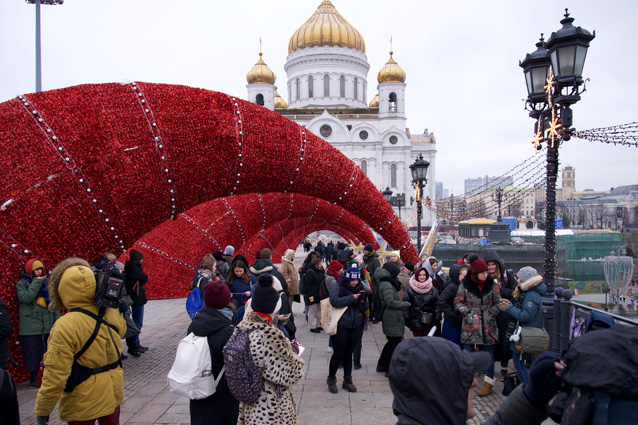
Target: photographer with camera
<point>347,292</point>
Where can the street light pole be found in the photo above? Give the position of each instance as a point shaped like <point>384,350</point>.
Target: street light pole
<point>419,170</point>
<point>38,42</point>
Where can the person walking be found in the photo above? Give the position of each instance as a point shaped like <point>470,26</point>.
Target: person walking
<point>90,387</point>
<point>36,320</point>
<point>477,300</point>
<point>312,283</point>
<point>347,292</point>
<point>423,312</point>
<point>452,319</point>
<point>290,275</point>
<point>393,322</point>
<point>214,323</point>
<point>135,281</point>
<point>527,309</point>
<point>280,366</point>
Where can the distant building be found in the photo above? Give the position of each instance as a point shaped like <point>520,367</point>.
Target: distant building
<point>441,193</point>
<point>614,210</point>
<point>487,182</point>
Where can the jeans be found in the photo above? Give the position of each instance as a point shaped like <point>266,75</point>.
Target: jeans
<point>137,315</point>
<point>488,349</point>
<point>344,342</point>
<point>519,363</point>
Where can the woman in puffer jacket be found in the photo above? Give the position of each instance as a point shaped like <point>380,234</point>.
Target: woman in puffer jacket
<point>452,319</point>
<point>423,312</point>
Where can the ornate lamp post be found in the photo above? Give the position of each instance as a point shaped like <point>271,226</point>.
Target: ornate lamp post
<point>419,170</point>
<point>397,200</point>
<point>387,194</point>
<point>551,92</point>
<point>38,53</point>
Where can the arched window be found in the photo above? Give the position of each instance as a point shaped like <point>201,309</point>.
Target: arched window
<point>356,89</point>
<point>393,175</point>
<point>342,86</point>
<point>298,87</point>
<point>259,100</point>
<point>364,167</point>
<point>326,85</point>
<point>393,102</point>
<point>311,87</point>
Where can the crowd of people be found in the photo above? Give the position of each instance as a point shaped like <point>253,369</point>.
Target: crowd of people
<point>461,322</point>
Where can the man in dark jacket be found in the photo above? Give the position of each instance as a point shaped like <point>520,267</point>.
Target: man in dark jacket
<point>135,281</point>
<point>433,383</point>
<point>329,251</point>
<point>6,328</point>
<point>452,318</point>
<point>370,259</point>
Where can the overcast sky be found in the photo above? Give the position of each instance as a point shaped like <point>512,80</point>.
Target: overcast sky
<point>461,59</point>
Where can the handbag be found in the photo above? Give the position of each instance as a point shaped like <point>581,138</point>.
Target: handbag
<point>330,316</point>
<point>510,381</point>
<point>532,340</point>
<point>426,318</point>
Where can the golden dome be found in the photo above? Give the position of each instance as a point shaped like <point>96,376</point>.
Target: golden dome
<point>374,103</point>
<point>326,27</point>
<point>280,103</point>
<point>260,73</point>
<point>391,72</point>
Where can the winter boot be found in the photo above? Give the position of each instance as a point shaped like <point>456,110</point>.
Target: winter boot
<point>33,382</point>
<point>332,384</point>
<point>488,383</point>
<point>348,385</point>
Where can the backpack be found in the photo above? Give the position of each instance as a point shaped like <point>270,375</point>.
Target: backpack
<point>378,306</point>
<point>110,282</point>
<point>244,377</point>
<point>191,374</point>
<point>195,301</point>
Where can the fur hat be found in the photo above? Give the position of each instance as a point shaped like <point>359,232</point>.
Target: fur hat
<point>368,248</point>
<point>478,266</point>
<point>392,269</point>
<point>526,273</point>
<point>216,294</point>
<point>266,253</point>
<point>136,255</point>
<point>265,296</point>
<point>229,250</point>
<point>353,273</point>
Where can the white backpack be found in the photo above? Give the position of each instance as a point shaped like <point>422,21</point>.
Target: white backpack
<point>191,374</point>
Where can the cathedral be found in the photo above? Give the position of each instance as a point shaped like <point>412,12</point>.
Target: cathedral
<point>327,92</point>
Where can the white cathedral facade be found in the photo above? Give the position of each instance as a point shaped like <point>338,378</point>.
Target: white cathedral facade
<point>327,72</point>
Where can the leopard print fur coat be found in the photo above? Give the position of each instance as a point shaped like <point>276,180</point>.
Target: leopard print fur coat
<point>281,368</point>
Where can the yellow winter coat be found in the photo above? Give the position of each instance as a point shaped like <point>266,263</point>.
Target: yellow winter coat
<point>72,285</point>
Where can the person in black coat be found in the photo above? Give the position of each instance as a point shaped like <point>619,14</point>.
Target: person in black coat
<point>134,282</point>
<point>452,319</point>
<point>6,328</point>
<point>507,283</point>
<point>423,312</point>
<point>214,321</point>
<point>312,283</point>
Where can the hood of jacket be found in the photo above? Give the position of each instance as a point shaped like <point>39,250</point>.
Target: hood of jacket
<point>209,320</point>
<point>261,266</point>
<point>535,283</point>
<point>455,270</point>
<point>437,389</point>
<point>472,286</point>
<point>492,255</point>
<point>598,319</point>
<point>72,284</point>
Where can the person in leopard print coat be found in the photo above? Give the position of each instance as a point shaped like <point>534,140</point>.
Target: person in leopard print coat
<point>271,351</point>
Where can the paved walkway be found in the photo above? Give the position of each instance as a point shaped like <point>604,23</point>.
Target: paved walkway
<point>149,401</point>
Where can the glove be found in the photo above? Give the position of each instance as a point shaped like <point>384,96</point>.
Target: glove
<point>544,383</point>
<point>503,304</point>
<point>42,420</point>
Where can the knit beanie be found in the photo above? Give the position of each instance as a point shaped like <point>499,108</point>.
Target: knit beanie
<point>266,253</point>
<point>526,273</point>
<point>335,266</point>
<point>216,294</point>
<point>409,266</point>
<point>135,255</point>
<point>397,253</point>
<point>478,266</point>
<point>368,248</point>
<point>359,259</point>
<point>32,265</point>
<point>392,269</point>
<point>217,255</point>
<point>352,274</point>
<point>229,250</point>
<point>265,297</point>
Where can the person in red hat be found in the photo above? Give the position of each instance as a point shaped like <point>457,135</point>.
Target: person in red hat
<point>36,320</point>
<point>477,301</point>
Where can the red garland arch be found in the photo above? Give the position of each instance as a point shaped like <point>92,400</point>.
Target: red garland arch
<point>92,168</point>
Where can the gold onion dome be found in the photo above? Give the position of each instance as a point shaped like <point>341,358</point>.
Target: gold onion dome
<point>374,103</point>
<point>280,103</point>
<point>326,27</point>
<point>260,73</point>
<point>391,72</point>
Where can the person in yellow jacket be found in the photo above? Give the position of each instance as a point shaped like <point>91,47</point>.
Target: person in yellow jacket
<point>72,286</point>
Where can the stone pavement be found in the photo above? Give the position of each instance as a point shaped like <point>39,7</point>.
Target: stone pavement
<point>149,401</point>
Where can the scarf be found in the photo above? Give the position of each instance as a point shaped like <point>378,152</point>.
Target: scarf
<point>264,315</point>
<point>351,290</point>
<point>226,312</point>
<point>479,284</point>
<point>420,287</point>
<point>333,274</point>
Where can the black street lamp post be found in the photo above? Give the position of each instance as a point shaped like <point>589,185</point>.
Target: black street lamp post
<point>397,200</point>
<point>38,49</point>
<point>553,74</point>
<point>419,170</point>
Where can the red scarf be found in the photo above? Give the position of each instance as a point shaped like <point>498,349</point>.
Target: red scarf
<point>264,315</point>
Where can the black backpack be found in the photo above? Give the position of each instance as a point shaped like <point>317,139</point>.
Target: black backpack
<point>110,282</point>
<point>378,306</point>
